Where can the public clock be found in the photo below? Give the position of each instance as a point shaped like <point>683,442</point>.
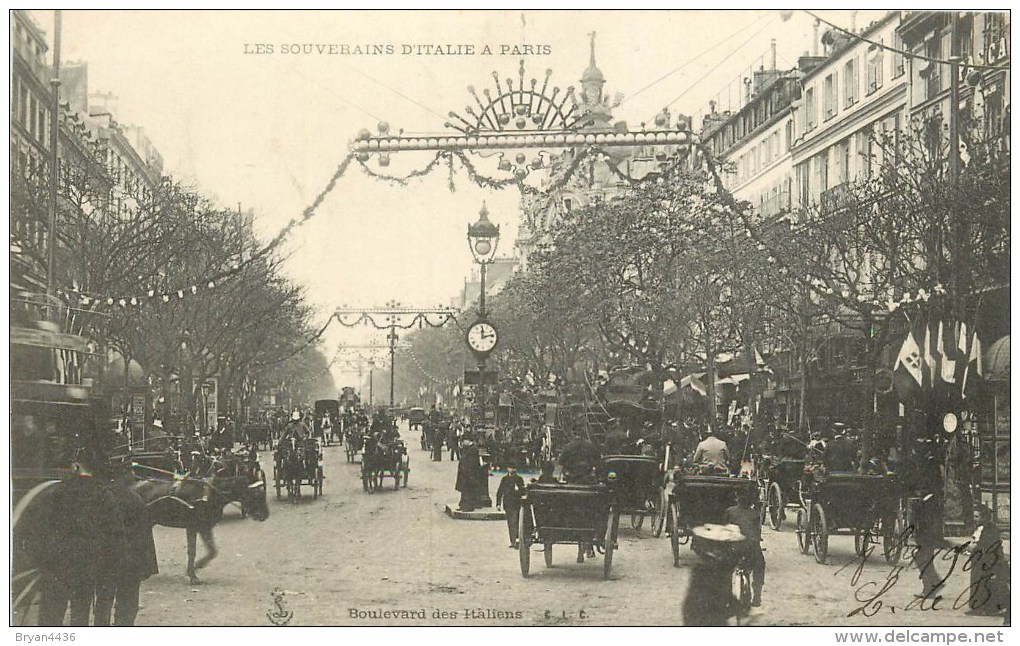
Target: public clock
<point>482,337</point>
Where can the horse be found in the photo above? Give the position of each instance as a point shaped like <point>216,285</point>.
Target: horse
<point>354,440</point>
<point>196,505</point>
<point>372,462</point>
<point>290,465</point>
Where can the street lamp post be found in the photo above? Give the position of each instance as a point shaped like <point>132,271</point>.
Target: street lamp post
<point>483,238</point>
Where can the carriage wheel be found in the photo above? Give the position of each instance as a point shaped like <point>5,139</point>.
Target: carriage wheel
<point>892,539</point>
<point>674,535</point>
<point>659,516</point>
<point>819,534</point>
<point>776,506</point>
<point>524,545</point>
<point>611,533</point>
<point>803,541</point>
<point>637,521</point>
<point>547,551</point>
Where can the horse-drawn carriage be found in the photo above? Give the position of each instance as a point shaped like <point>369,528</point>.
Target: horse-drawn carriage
<point>636,481</point>
<point>298,462</point>
<point>866,506</point>
<point>578,514</point>
<point>381,460</point>
<point>326,421</point>
<point>695,499</point>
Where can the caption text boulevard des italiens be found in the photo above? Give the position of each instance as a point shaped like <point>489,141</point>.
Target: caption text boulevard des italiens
<point>404,49</point>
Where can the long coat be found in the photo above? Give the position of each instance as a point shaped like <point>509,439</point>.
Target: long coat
<point>467,470</point>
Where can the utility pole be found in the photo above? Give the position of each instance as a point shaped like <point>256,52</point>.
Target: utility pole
<point>393,312</point>
<point>51,255</point>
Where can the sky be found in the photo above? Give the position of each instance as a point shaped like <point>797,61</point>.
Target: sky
<point>267,131</point>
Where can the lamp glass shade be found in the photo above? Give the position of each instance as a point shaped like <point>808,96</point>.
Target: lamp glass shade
<point>483,246</point>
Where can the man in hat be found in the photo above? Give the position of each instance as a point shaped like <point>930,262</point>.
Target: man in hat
<point>815,447</point>
<point>578,460</point>
<point>840,454</point>
<point>508,497</point>
<point>295,428</point>
<point>712,450</point>
<point>137,562</point>
<point>467,476</point>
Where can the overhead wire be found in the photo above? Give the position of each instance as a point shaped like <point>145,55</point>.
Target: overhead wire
<point>720,63</point>
<point>700,55</point>
<point>901,51</point>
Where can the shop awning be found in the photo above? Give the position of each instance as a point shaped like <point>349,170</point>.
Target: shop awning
<point>996,360</point>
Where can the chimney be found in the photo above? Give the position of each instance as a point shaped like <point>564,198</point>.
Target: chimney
<point>853,22</point>
<point>747,90</point>
<point>711,105</point>
<point>772,55</point>
<point>814,40</point>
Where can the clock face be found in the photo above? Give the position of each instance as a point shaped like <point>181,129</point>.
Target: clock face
<point>482,337</point>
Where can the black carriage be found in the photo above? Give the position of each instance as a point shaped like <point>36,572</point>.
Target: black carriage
<point>782,486</point>
<point>326,420</point>
<point>864,506</point>
<point>695,500</point>
<point>298,462</point>
<point>258,434</point>
<point>582,515</point>
<point>636,481</point>
<point>380,461</point>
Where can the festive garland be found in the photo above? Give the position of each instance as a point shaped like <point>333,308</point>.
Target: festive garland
<point>403,181</point>
<point>366,317</point>
<point>427,374</point>
<point>484,181</point>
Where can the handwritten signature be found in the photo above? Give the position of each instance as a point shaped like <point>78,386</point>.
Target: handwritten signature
<point>870,593</point>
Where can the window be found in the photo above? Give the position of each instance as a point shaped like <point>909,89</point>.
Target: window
<point>829,89</point>
<point>897,57</point>
<point>874,68</point>
<point>810,115</point>
<point>842,161</point>
<point>804,183</point>
<point>789,134</point>
<point>933,49</point>
<point>850,83</point>
<point>30,116</point>
<point>821,162</point>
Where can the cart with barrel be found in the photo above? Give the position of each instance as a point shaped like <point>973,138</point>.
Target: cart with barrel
<point>577,514</point>
<point>864,506</point>
<point>696,499</point>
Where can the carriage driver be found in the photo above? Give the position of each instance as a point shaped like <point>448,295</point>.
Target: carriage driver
<point>295,428</point>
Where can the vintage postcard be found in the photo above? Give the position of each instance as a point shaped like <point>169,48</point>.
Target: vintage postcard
<point>511,318</point>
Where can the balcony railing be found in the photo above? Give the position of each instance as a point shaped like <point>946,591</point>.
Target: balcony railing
<point>776,204</point>
<point>835,197</point>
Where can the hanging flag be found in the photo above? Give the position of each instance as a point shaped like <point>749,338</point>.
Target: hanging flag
<point>910,358</point>
<point>973,358</point>
<point>928,370</point>
<point>947,350</point>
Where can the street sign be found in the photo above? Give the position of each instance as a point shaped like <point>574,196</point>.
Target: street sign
<point>474,378</point>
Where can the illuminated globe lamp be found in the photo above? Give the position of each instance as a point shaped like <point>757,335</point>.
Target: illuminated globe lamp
<point>483,237</point>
